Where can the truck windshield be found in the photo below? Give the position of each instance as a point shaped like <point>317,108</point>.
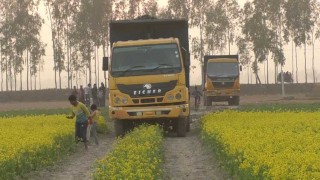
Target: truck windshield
<point>218,69</point>
<point>145,60</point>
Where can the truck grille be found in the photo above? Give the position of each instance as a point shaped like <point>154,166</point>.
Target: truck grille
<point>147,100</point>
<point>147,89</point>
<point>223,84</point>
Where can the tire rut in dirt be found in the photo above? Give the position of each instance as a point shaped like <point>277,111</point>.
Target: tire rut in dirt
<point>79,165</point>
<point>186,158</point>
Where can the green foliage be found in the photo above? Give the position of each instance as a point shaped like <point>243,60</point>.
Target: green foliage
<point>282,107</point>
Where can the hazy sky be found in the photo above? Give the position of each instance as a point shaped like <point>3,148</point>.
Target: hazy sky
<point>47,75</point>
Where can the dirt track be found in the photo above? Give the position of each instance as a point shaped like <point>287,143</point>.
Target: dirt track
<point>186,158</point>
<point>79,165</point>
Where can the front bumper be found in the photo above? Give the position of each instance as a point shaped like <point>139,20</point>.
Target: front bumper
<point>223,93</point>
<point>151,112</point>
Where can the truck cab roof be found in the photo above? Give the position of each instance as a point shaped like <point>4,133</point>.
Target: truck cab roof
<point>142,42</point>
<point>226,60</point>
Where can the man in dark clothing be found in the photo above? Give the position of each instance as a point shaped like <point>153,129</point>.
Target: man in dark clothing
<point>196,95</point>
<point>74,91</point>
<point>81,95</point>
<point>102,95</point>
<point>95,94</point>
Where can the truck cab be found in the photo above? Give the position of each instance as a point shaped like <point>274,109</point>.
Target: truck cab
<point>149,74</point>
<point>222,79</point>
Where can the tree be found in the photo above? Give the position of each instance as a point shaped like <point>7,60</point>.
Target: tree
<point>130,9</point>
<point>244,53</point>
<point>229,11</point>
<point>215,29</point>
<point>21,26</point>
<point>179,9</point>
<point>299,23</point>
<point>198,19</point>
<point>263,37</point>
<point>315,19</point>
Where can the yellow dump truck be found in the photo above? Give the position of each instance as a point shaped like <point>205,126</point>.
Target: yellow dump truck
<point>149,74</point>
<point>222,79</point>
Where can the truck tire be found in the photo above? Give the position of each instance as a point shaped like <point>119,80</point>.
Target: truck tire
<point>209,101</point>
<point>237,101</point>
<point>234,101</point>
<point>119,128</point>
<point>188,124</point>
<point>182,127</point>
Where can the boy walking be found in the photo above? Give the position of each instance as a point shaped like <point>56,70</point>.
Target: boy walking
<point>81,112</point>
<point>95,117</point>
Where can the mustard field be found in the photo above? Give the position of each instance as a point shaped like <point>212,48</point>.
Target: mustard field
<point>265,145</point>
<point>30,142</point>
<point>139,155</point>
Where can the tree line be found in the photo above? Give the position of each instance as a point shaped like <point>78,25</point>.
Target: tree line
<point>79,30</point>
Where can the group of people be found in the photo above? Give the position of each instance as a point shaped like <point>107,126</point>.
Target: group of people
<point>91,95</point>
<point>86,121</point>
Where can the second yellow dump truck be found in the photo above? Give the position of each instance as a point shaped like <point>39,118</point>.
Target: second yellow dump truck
<point>149,74</point>
<point>222,79</point>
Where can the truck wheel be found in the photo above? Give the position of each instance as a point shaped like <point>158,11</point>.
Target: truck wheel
<point>208,101</point>
<point>119,127</point>
<point>188,124</point>
<point>234,101</point>
<point>237,101</point>
<point>182,127</point>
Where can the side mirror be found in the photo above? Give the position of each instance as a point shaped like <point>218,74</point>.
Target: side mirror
<point>105,63</point>
<point>186,57</point>
<point>240,68</point>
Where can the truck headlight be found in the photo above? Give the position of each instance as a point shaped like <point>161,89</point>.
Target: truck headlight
<point>124,100</point>
<point>117,100</point>
<point>170,97</point>
<point>178,96</point>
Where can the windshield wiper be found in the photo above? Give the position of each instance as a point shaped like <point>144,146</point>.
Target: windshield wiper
<point>129,69</point>
<point>223,75</point>
<point>162,65</point>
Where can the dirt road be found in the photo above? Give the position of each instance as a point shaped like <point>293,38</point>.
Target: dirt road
<point>186,158</point>
<point>78,166</point>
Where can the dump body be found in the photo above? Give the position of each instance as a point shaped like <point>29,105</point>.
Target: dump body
<point>149,73</point>
<point>222,79</point>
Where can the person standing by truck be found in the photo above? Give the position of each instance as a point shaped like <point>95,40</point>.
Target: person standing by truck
<point>81,112</point>
<point>196,95</point>
<point>102,95</point>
